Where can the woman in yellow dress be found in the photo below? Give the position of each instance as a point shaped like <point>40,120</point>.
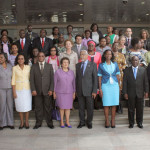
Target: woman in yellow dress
<point>21,89</point>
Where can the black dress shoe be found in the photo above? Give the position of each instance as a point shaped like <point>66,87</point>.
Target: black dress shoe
<point>140,125</point>
<point>27,127</point>
<point>80,126</point>
<point>131,126</point>
<point>21,127</point>
<point>89,126</point>
<point>1,128</point>
<point>36,126</point>
<point>11,127</point>
<point>51,126</point>
<point>113,126</point>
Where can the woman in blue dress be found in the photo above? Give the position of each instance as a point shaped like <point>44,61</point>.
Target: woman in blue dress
<point>109,73</point>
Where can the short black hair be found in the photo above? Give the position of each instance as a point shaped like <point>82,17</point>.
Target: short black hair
<point>101,38</point>
<point>5,55</point>
<point>54,29</point>
<point>56,50</point>
<point>69,26</point>
<point>14,44</point>
<point>87,31</point>
<point>103,56</point>
<point>64,58</point>
<point>92,25</point>
<point>3,31</point>
<point>134,41</point>
<point>78,35</point>
<point>25,58</point>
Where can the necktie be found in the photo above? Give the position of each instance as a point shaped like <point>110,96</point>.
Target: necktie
<point>128,42</point>
<point>42,42</point>
<point>42,68</point>
<point>78,49</point>
<point>134,72</point>
<point>22,45</point>
<point>82,68</point>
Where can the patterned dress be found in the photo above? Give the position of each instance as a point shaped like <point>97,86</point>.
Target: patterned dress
<point>121,61</point>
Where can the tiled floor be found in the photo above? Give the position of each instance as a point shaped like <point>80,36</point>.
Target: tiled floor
<point>98,138</point>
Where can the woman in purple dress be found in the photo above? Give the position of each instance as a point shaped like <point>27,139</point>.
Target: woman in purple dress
<point>64,90</point>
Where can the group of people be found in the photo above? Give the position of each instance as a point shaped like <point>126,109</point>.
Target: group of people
<point>62,68</point>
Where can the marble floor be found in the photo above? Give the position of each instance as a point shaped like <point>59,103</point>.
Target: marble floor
<point>98,138</point>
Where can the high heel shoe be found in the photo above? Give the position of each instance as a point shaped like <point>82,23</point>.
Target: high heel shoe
<point>21,127</point>
<point>68,126</point>
<point>27,126</point>
<point>112,126</point>
<point>106,126</point>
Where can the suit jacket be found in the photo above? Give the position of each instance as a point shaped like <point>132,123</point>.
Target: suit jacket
<point>42,83</point>
<point>135,87</point>
<point>75,49</point>
<point>34,35</point>
<point>126,43</point>
<point>5,77</point>
<point>27,50</point>
<point>47,45</point>
<point>87,84</point>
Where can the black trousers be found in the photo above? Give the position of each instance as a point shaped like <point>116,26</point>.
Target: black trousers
<point>88,103</point>
<point>138,104</point>
<point>43,107</point>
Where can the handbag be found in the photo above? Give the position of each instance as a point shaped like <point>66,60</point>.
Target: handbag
<point>55,114</point>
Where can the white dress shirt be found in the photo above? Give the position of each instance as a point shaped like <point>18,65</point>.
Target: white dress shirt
<point>42,63</point>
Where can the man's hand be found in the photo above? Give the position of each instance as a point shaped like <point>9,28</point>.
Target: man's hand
<point>50,93</point>
<point>94,95</point>
<point>146,95</point>
<point>34,93</point>
<point>126,96</point>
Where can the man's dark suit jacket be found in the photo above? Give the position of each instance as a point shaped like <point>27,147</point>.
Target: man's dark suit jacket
<point>42,83</point>
<point>135,87</point>
<point>27,50</point>
<point>47,45</point>
<point>34,35</point>
<point>87,84</point>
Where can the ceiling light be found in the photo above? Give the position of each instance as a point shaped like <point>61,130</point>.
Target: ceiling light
<point>64,12</point>
<point>6,16</point>
<point>81,4</point>
<point>81,14</point>
<point>142,3</point>
<point>39,15</point>
<point>64,15</point>
<point>147,14</point>
<point>13,5</point>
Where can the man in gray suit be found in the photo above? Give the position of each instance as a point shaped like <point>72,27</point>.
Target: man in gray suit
<point>86,88</point>
<point>78,47</point>
<point>135,85</point>
<point>42,86</point>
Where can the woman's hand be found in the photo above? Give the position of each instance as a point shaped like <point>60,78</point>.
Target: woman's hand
<point>74,96</point>
<point>14,95</point>
<point>101,93</point>
<point>54,95</point>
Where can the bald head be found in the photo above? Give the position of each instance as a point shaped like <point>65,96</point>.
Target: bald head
<point>135,61</point>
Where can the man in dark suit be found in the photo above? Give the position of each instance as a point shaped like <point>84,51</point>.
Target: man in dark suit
<point>128,36</point>
<point>78,45</point>
<point>42,86</point>
<point>43,43</point>
<point>135,85</point>
<point>86,88</point>
<point>31,35</point>
<point>24,45</point>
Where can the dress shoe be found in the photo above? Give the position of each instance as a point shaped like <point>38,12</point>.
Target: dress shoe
<point>68,126</point>
<point>51,126</point>
<point>89,126</point>
<point>11,127</point>
<point>140,125</point>
<point>62,126</point>
<point>1,128</point>
<point>106,126</point>
<point>80,126</point>
<point>113,126</point>
<point>131,126</point>
<point>36,126</point>
<point>21,127</point>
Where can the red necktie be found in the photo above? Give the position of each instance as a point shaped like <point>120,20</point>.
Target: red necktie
<point>42,42</point>
<point>22,45</point>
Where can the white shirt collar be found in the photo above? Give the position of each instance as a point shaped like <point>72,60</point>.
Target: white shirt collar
<point>134,67</point>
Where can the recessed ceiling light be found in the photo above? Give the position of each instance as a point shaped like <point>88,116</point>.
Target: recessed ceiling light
<point>13,5</point>
<point>81,14</point>
<point>64,15</point>
<point>147,14</point>
<point>81,4</point>
<point>6,16</point>
<point>64,12</point>
<point>39,15</point>
<point>142,3</point>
